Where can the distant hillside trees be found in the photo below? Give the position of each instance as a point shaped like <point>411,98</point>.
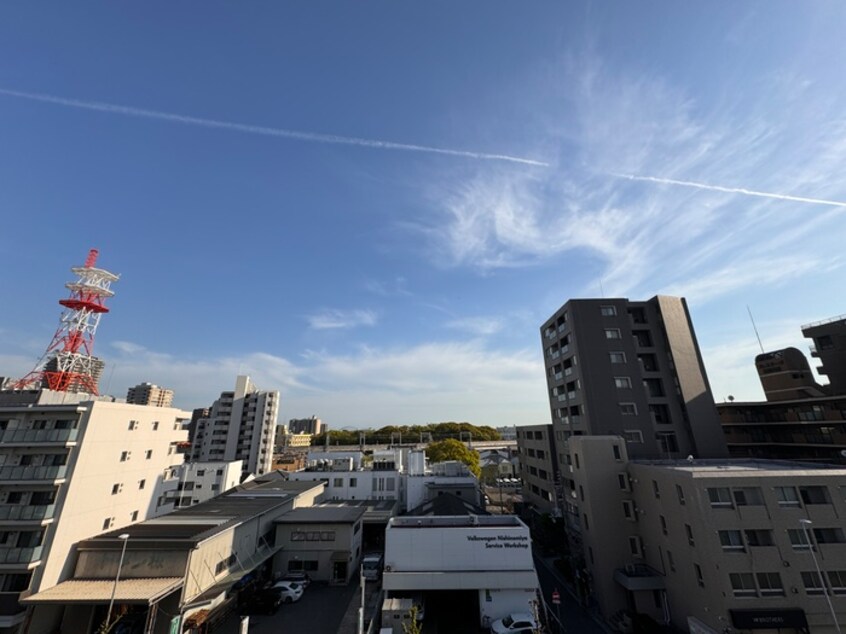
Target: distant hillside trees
<point>409,434</point>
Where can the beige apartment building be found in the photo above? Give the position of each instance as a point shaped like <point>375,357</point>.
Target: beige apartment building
<point>712,546</point>
<point>149,394</point>
<point>69,469</point>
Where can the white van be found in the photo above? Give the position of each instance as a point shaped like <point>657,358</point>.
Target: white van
<point>371,566</point>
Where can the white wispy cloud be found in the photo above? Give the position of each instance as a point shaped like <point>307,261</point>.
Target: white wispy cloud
<point>341,319</point>
<point>739,178</point>
<point>480,326</point>
<point>312,137</point>
<point>371,385</point>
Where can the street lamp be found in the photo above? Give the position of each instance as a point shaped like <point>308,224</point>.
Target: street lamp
<point>124,537</point>
<point>805,523</point>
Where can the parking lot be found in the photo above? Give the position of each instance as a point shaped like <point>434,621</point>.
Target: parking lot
<point>322,610</point>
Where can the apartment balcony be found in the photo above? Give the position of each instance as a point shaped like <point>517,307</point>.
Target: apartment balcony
<point>20,512</point>
<point>27,437</point>
<point>11,611</point>
<point>639,577</point>
<point>20,555</point>
<point>32,474</point>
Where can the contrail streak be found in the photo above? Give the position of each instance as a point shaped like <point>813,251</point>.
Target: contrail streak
<point>313,137</point>
<point>732,190</point>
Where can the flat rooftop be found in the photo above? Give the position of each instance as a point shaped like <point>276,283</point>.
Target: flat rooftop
<point>740,466</point>
<point>456,521</point>
<point>322,515</point>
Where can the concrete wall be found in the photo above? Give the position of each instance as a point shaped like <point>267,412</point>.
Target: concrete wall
<point>346,539</point>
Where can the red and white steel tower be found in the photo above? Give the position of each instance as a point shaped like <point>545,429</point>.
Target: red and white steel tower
<point>68,364</point>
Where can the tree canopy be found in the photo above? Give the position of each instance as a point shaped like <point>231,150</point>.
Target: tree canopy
<point>452,449</point>
<point>409,434</point>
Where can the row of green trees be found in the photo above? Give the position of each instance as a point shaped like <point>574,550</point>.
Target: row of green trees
<point>409,433</point>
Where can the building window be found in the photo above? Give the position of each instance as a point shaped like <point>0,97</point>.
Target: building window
<point>623,481</point>
<point>201,473</point>
<point>327,536</point>
<point>338,482</point>
<point>353,482</point>
<point>813,583</point>
<point>117,488</point>
<point>587,524</point>
<point>663,524</point>
<point>743,584</point>
<point>581,493</point>
<point>576,458</point>
<point>787,496</point>
<point>670,561</point>
<point>814,495</point>
<point>612,333</point>
<point>608,311</point>
<point>731,540</point>
<point>759,537</point>
<point>770,584</point>
<point>125,455</point>
<point>133,425</point>
<point>628,510</point>
<point>134,516</point>
<point>656,490</point>
<point>628,409</point>
<point>107,523</point>
<point>634,436</point>
<point>680,493</point>
<point>635,546</point>
<point>689,532</point>
<point>667,441</point>
<point>748,496</point>
<point>623,382</point>
<point>798,539</point>
<point>829,536</point>
<point>837,579</point>
<point>617,454</point>
<point>155,425</point>
<point>720,497</point>
<point>142,484</point>
<point>617,357</point>
<point>699,578</point>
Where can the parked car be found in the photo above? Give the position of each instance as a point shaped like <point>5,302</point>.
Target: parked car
<point>289,591</point>
<point>517,623</point>
<point>301,578</point>
<point>265,601</point>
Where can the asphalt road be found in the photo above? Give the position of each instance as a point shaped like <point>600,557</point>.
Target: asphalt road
<point>575,618</point>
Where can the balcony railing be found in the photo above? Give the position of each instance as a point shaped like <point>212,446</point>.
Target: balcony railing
<point>32,473</point>
<point>38,435</point>
<point>21,512</point>
<point>20,555</point>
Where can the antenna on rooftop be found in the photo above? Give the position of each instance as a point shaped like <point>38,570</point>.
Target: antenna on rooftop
<point>755,328</point>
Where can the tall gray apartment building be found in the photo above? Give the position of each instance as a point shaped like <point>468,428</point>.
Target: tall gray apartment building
<point>631,369</point>
<point>240,426</point>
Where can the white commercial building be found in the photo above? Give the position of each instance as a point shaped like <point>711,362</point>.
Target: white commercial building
<point>70,471</point>
<point>484,561</point>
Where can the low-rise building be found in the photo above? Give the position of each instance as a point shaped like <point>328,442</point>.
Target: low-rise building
<point>483,562</point>
<point>716,543</point>
<point>322,541</point>
<point>196,482</point>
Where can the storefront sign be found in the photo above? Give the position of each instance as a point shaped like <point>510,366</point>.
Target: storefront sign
<point>501,541</point>
<point>768,619</point>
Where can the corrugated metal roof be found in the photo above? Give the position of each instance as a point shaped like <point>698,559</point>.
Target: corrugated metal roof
<point>100,591</point>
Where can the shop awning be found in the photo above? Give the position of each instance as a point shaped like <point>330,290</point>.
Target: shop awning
<point>144,591</point>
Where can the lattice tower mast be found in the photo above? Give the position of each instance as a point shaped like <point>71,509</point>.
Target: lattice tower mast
<point>68,364</point>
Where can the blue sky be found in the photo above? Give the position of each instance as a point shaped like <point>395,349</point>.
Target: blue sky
<point>372,282</point>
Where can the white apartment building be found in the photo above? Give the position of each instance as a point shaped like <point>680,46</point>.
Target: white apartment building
<point>240,426</point>
<point>70,471</point>
<point>713,546</point>
<point>196,482</point>
<point>149,394</point>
